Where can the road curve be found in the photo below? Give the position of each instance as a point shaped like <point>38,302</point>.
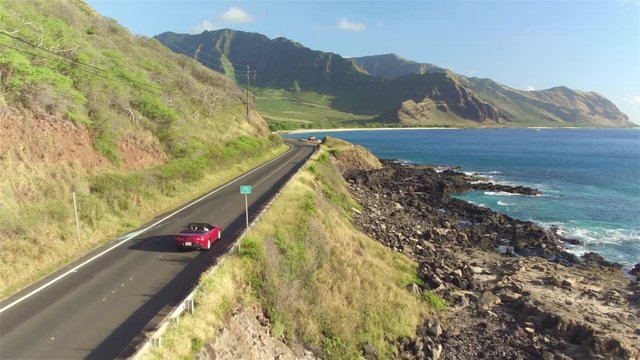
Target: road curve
<point>99,306</point>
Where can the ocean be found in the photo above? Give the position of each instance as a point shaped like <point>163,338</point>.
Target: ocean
<point>590,178</point>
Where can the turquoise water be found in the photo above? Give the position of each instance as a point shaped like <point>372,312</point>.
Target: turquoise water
<point>590,177</point>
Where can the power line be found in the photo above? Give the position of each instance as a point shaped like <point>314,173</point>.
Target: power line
<point>77,62</point>
<point>196,52</point>
<point>93,70</point>
<point>183,51</point>
<point>175,38</point>
<point>48,58</point>
<point>218,67</point>
<point>237,73</point>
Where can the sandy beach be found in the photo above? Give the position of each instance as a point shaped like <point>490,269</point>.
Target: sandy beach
<point>306,131</point>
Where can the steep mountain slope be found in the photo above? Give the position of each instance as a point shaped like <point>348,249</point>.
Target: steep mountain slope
<point>337,83</point>
<point>381,90</point>
<point>132,126</point>
<point>280,63</point>
<point>392,65</point>
<point>559,106</point>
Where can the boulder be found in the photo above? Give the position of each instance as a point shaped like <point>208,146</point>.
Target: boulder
<point>488,300</point>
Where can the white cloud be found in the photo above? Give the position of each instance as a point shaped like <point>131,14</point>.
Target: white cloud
<point>236,15</point>
<point>348,25</point>
<point>204,25</point>
<point>472,72</point>
<point>529,88</point>
<point>233,15</point>
<point>635,99</point>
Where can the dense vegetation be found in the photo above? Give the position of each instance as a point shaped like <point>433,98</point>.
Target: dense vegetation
<point>64,65</point>
<point>322,282</point>
<point>59,58</point>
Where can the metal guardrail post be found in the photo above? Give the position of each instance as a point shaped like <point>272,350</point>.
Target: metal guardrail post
<point>190,306</point>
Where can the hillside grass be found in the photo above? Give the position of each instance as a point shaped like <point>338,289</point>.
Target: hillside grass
<point>60,59</point>
<point>323,283</point>
<point>37,227</point>
<point>286,110</point>
<point>62,62</point>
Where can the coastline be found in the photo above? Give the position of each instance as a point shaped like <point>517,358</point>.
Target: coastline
<point>510,278</point>
<point>307,131</point>
<point>609,235</point>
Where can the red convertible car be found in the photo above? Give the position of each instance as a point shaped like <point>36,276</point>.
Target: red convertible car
<point>198,236</point>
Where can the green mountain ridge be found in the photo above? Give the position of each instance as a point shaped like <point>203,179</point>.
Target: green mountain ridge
<point>280,63</point>
<point>382,89</point>
<point>392,66</point>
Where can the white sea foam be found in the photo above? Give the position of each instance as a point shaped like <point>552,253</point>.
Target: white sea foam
<point>603,241</point>
<point>502,203</point>
<point>499,193</point>
<point>480,182</point>
<point>476,204</point>
<point>406,162</point>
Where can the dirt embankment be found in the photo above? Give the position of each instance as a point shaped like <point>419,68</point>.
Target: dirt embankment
<point>512,289</point>
<point>26,137</point>
<point>246,335</point>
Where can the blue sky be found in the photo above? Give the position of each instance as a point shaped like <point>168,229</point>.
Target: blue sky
<point>585,45</point>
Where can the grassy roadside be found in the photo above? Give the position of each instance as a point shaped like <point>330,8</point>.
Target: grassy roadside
<point>323,283</point>
<point>38,236</point>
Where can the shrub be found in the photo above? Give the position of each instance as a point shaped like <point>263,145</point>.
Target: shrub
<point>105,144</point>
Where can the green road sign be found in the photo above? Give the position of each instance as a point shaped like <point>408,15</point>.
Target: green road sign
<point>245,189</point>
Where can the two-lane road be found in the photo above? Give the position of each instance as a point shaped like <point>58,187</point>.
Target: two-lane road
<point>99,306</point>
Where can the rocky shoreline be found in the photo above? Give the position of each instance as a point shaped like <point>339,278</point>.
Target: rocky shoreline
<point>513,290</point>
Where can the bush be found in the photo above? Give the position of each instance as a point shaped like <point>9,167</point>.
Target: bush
<point>105,144</point>
<point>184,169</point>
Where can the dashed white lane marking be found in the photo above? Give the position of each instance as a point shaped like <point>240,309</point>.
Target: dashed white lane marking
<point>273,172</point>
<point>134,234</point>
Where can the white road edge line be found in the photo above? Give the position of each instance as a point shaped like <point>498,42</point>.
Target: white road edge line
<point>273,172</point>
<point>177,311</point>
<point>134,234</point>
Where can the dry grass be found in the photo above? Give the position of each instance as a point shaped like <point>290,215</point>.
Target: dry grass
<point>37,228</point>
<point>322,282</point>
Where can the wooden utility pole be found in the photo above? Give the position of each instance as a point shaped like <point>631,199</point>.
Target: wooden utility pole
<point>248,75</point>
<point>255,85</point>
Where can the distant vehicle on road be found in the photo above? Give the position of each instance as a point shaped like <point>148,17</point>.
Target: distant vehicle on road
<point>198,236</point>
<point>312,138</point>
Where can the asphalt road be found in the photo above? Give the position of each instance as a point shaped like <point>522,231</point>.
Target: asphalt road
<point>102,309</point>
